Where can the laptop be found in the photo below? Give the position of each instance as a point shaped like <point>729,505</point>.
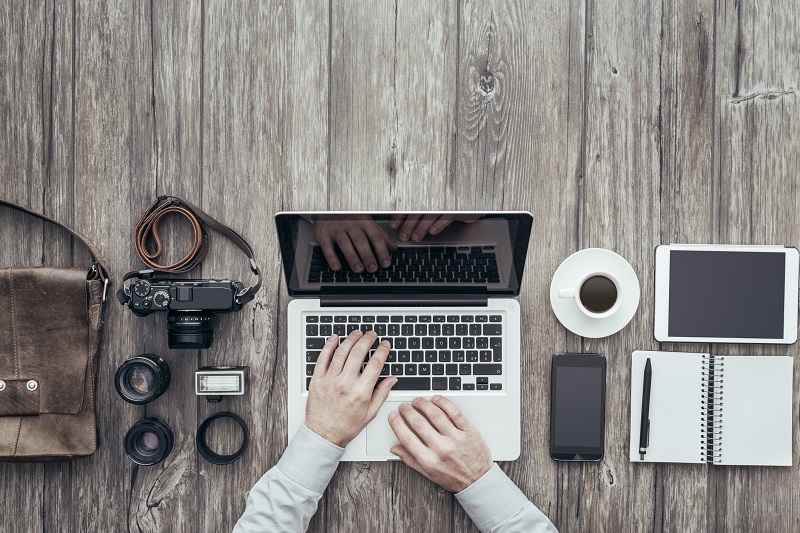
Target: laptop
<point>445,302</point>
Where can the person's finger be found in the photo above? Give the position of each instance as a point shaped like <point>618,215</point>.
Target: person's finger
<point>358,353</point>
<point>361,242</point>
<point>377,238</point>
<point>437,417</point>
<point>396,221</point>
<point>372,371</point>
<point>341,353</point>
<point>350,254</point>
<point>408,439</point>
<point>379,396</point>
<point>455,414</point>
<point>419,424</point>
<point>439,225</point>
<point>407,458</point>
<point>325,355</point>
<point>329,251</point>
<point>408,226</point>
<point>421,230</point>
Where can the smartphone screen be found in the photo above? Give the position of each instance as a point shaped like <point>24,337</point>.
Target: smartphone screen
<point>577,407</point>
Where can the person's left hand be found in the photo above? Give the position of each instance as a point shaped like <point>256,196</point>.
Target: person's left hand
<point>343,399</point>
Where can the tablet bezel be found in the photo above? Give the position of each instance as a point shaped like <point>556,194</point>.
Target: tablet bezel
<point>790,300</point>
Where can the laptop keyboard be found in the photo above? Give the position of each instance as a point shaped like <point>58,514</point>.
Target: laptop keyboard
<point>417,264</point>
<point>434,352</point>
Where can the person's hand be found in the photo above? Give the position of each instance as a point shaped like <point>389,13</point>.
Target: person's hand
<point>416,227</point>
<point>438,441</point>
<point>343,399</point>
<point>357,237</point>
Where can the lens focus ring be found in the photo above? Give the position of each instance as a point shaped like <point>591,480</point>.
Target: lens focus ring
<point>148,442</point>
<point>142,379</point>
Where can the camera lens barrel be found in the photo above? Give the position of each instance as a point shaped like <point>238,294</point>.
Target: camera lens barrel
<point>142,378</point>
<point>190,329</point>
<point>148,442</point>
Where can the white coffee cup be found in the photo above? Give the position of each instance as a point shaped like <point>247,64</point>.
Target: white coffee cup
<point>599,296</point>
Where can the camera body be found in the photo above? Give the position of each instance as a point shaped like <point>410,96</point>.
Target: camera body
<point>191,305</point>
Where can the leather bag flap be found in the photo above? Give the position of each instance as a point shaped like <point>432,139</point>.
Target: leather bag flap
<point>48,333</point>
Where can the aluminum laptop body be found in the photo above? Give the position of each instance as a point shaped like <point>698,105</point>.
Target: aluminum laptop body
<point>452,295</point>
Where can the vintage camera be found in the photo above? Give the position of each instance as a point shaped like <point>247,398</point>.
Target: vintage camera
<point>191,305</point>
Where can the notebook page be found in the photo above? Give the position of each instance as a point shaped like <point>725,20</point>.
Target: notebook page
<point>757,410</point>
<point>675,406</point>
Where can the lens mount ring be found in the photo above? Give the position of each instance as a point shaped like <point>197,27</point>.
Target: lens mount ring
<point>212,456</point>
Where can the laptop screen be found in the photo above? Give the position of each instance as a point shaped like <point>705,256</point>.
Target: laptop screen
<point>419,252</point>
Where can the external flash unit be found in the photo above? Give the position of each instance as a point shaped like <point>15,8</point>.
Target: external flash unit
<point>214,382</point>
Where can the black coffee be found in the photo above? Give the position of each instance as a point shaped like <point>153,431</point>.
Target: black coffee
<point>598,294</point>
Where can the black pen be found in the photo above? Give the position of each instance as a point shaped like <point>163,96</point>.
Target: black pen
<point>644,427</point>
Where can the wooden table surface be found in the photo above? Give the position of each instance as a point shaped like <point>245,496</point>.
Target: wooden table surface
<point>619,124</point>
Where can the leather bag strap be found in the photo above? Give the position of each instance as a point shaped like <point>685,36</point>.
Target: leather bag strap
<point>99,267</point>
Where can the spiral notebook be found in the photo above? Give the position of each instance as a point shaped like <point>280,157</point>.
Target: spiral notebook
<point>726,410</point>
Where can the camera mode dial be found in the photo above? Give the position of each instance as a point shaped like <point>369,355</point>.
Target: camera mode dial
<point>161,298</point>
<point>141,288</point>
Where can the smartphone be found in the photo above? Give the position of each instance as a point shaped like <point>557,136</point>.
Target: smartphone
<point>577,407</point>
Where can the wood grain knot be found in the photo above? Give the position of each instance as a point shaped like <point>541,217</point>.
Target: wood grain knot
<point>487,81</point>
<point>613,70</point>
<point>608,475</point>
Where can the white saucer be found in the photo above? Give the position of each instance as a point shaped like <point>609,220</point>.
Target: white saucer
<point>572,270</point>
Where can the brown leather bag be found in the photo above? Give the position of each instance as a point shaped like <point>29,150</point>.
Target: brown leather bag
<point>50,321</point>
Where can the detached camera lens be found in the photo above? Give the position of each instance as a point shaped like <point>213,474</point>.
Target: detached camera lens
<point>148,442</point>
<point>190,329</point>
<point>142,379</point>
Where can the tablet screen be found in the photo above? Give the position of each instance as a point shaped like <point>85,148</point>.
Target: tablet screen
<point>726,294</point>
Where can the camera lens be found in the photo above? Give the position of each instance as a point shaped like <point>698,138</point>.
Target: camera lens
<point>142,379</point>
<point>190,329</point>
<point>149,441</point>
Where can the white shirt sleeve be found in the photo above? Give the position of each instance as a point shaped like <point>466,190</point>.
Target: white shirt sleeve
<point>286,497</point>
<point>496,505</point>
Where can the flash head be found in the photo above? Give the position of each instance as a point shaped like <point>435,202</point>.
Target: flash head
<point>217,381</point>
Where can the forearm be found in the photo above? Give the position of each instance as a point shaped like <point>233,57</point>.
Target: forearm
<point>497,505</point>
<point>286,497</point>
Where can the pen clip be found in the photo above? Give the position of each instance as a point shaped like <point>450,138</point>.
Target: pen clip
<point>647,435</point>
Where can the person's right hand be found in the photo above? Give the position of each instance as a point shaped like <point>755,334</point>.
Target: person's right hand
<point>438,441</point>
<point>356,236</point>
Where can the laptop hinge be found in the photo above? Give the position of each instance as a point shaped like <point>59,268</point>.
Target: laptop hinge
<point>404,300</point>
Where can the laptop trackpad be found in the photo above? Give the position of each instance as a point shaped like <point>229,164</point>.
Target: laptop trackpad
<point>380,436</point>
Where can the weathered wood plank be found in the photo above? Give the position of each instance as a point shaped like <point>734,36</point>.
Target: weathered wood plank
<point>264,150</point>
<point>686,126</point>
<point>621,213</point>
<point>391,126</point>
<point>168,40</point>
<point>756,164</point>
<point>23,146</point>
<point>519,137</point>
<point>114,178</point>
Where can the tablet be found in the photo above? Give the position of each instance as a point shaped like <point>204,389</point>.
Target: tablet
<point>726,293</point>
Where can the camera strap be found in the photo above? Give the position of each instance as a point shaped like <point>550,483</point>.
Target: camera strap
<point>148,225</point>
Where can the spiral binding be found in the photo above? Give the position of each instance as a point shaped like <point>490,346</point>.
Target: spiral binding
<point>711,416</point>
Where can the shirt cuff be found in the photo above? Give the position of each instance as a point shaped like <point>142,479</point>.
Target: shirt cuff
<point>310,460</point>
<point>492,500</point>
